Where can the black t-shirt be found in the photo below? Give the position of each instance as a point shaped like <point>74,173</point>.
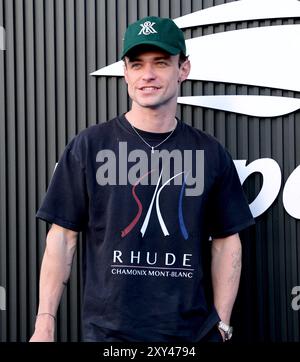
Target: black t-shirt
<point>146,267</point>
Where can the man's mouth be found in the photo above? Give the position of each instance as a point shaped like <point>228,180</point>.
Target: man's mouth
<point>149,89</point>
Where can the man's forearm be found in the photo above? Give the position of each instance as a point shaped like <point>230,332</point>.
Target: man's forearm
<point>55,272</point>
<point>226,271</point>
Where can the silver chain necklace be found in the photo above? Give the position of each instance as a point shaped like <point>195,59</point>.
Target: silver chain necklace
<point>153,147</point>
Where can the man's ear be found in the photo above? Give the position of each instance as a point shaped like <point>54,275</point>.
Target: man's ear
<point>184,70</point>
<point>125,71</point>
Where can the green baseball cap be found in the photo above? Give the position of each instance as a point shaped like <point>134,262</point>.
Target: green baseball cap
<point>160,32</point>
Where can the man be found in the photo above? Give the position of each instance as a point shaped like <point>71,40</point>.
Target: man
<point>161,205</point>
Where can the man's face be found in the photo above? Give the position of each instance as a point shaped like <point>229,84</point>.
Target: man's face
<point>153,78</point>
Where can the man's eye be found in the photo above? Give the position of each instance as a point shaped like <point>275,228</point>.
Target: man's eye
<point>161,64</point>
<point>135,65</point>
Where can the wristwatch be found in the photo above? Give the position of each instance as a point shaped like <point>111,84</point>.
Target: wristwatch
<point>226,329</point>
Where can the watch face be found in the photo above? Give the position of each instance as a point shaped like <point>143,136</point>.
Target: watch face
<point>228,334</point>
<point>227,330</point>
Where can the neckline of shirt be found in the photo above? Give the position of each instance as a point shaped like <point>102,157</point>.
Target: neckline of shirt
<point>124,123</point>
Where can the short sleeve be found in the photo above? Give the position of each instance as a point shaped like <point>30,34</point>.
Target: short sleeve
<point>66,200</point>
<point>229,209</point>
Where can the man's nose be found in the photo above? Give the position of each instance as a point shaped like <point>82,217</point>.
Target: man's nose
<point>149,72</point>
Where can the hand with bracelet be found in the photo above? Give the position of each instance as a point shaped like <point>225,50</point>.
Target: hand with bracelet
<point>44,328</point>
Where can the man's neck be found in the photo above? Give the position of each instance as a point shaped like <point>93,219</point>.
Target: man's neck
<point>152,121</point>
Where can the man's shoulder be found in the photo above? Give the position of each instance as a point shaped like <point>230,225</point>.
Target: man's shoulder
<point>91,137</point>
<point>202,136</point>
<point>97,129</point>
<point>217,153</point>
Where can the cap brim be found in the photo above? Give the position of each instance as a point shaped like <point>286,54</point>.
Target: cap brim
<point>165,47</point>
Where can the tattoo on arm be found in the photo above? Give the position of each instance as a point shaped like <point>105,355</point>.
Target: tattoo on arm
<point>236,266</point>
